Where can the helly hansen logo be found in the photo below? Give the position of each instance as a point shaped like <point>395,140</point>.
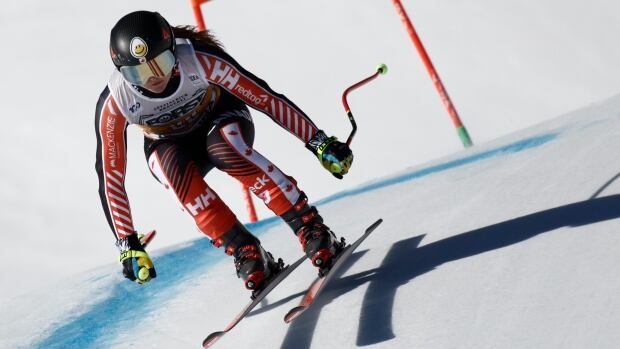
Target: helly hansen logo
<point>227,76</point>
<point>224,75</point>
<point>201,202</point>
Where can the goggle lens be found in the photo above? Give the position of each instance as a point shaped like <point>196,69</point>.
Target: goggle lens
<point>159,66</point>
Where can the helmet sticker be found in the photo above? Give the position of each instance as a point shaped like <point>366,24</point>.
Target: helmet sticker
<point>165,34</point>
<point>139,49</point>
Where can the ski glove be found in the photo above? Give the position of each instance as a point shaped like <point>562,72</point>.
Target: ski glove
<point>137,265</point>
<point>335,156</point>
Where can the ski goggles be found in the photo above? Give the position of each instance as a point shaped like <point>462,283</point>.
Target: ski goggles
<point>158,67</point>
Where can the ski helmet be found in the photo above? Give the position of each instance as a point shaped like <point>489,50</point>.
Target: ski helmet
<point>142,45</point>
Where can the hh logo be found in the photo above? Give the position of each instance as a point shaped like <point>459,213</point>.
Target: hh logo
<point>224,75</point>
<point>201,202</point>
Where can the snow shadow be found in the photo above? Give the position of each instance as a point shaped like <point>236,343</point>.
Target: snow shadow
<point>301,331</point>
<point>406,260</point>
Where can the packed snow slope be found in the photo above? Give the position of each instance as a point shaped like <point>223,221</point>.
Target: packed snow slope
<point>507,65</point>
<point>511,244</point>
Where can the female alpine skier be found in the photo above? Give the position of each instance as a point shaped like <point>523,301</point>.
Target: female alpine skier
<point>190,99</point>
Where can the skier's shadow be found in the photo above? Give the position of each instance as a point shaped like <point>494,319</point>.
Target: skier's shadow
<point>299,335</point>
<point>405,261</point>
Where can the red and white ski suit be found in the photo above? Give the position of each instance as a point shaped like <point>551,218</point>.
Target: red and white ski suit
<point>201,123</point>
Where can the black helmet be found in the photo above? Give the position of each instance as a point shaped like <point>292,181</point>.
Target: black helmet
<point>139,37</point>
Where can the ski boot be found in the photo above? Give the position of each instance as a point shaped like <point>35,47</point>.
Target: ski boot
<point>253,264</point>
<point>320,245</point>
<point>318,242</point>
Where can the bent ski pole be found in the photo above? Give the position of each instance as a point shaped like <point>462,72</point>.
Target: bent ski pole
<point>381,69</point>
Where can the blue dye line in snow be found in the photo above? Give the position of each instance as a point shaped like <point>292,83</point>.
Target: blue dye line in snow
<point>507,149</point>
<point>127,303</point>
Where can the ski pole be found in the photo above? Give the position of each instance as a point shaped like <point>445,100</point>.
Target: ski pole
<point>381,69</point>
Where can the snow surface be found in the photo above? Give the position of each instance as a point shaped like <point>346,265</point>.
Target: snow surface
<point>512,243</point>
<point>507,65</point>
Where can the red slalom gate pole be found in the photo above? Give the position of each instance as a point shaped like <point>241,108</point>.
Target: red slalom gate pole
<point>200,21</point>
<point>249,204</point>
<point>445,98</point>
<point>245,192</point>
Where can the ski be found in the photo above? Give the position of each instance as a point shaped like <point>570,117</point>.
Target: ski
<point>319,284</point>
<point>215,336</point>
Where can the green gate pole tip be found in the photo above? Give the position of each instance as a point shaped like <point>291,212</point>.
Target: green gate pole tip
<point>464,136</point>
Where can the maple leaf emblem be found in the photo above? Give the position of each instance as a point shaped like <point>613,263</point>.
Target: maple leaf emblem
<point>248,152</point>
<point>289,188</point>
<point>270,168</point>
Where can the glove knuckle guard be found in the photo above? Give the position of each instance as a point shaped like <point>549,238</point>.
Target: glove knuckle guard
<point>137,265</point>
<point>335,156</point>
